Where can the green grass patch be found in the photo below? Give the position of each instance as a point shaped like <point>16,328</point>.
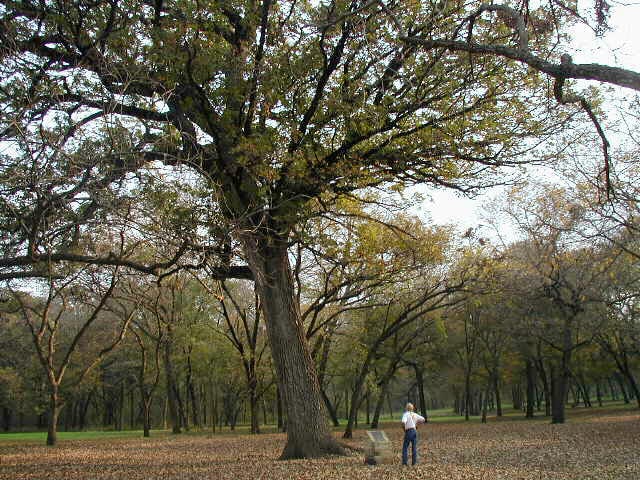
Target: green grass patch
<point>445,415</point>
<point>40,437</point>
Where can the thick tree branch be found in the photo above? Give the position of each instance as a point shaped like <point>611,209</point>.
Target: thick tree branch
<point>581,71</point>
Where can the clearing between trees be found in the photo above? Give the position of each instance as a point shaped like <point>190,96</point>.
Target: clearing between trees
<point>593,445</point>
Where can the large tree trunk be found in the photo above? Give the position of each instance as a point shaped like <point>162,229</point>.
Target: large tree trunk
<point>308,432</point>
<point>279,413</point>
<point>560,382</point>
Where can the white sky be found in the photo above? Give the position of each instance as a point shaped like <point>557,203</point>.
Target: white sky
<point>620,47</point>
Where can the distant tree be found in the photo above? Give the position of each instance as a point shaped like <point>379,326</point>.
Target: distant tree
<point>568,278</point>
<point>243,327</point>
<point>69,309</point>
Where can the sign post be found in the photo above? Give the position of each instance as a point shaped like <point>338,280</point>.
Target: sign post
<point>377,449</point>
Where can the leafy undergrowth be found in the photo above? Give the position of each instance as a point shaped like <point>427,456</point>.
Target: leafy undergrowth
<point>597,447</point>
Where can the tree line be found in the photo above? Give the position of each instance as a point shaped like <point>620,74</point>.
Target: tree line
<point>393,310</point>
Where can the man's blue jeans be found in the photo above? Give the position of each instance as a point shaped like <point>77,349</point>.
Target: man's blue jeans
<point>410,437</point>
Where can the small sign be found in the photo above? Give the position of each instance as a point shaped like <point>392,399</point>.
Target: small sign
<point>377,448</point>
<point>377,436</point>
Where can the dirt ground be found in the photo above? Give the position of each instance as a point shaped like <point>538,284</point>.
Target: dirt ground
<point>589,447</point>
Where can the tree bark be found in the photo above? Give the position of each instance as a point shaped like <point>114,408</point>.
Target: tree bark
<point>333,410</point>
<point>6,419</point>
<point>530,388</point>
<point>378,408</point>
<point>352,417</point>
<point>308,432</point>
<point>623,389</point>
<point>560,386</point>
<point>253,404</point>
<point>146,416</point>
<point>172,401</point>
<point>420,384</point>
<point>54,411</point>
<point>195,410</point>
<point>622,362</point>
<point>483,401</point>
<point>496,392</point>
<point>467,394</point>
<point>545,387</point>
<point>279,409</point>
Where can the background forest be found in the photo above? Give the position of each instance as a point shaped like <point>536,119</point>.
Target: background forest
<point>393,309</point>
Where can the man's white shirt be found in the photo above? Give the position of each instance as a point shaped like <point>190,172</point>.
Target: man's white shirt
<point>410,419</point>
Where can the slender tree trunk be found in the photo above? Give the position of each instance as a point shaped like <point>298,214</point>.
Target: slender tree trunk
<point>467,394</point>
<point>322,367</point>
<point>54,411</point>
<point>483,401</point>
<point>120,416</point>
<point>623,389</point>
<point>253,407</point>
<point>623,366</point>
<point>530,388</point>
<point>132,418</point>
<point>352,417</point>
<point>165,411</point>
<point>183,407</point>
<point>379,405</point>
<point>6,418</point>
<point>633,384</point>
<point>172,401</point>
<point>146,416</point>
<point>368,408</point>
<point>333,410</point>
<point>308,432</point>
<point>68,415</point>
<point>420,384</point>
<point>585,391</point>
<point>82,414</point>
<point>545,387</point>
<point>612,389</point>
<point>496,392</point>
<point>191,392</point>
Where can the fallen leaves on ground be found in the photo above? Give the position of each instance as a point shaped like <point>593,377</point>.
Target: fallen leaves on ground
<point>596,447</point>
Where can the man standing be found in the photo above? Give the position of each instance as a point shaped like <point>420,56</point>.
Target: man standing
<point>410,421</point>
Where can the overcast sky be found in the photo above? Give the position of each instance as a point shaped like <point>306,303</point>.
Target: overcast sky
<point>620,47</point>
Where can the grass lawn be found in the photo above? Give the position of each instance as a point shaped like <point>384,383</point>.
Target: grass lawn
<point>593,444</point>
<point>40,437</point>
